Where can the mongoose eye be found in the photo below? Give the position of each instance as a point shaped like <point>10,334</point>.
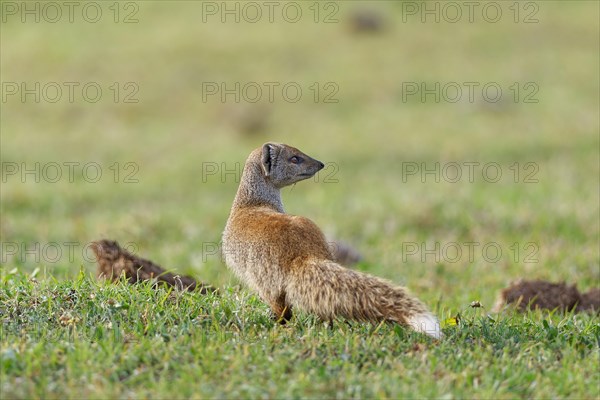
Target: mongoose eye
<point>296,160</point>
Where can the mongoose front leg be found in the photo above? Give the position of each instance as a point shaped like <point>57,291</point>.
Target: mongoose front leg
<point>281,311</point>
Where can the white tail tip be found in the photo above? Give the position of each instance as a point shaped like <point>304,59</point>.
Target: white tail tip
<point>426,323</point>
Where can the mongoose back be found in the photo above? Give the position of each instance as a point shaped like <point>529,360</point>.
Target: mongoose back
<point>286,258</point>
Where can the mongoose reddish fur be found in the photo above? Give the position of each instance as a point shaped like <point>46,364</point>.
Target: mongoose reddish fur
<point>286,258</point>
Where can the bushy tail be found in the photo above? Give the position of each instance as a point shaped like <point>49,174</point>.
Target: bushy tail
<point>327,289</point>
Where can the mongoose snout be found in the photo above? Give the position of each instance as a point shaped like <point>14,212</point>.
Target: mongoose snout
<point>284,165</point>
<point>316,167</point>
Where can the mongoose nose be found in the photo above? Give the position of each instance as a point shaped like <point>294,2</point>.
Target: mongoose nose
<point>321,165</point>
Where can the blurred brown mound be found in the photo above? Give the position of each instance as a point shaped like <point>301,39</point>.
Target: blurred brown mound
<point>590,300</point>
<point>344,253</point>
<point>366,21</point>
<point>113,261</point>
<point>546,295</point>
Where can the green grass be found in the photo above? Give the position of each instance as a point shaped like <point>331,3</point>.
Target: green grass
<point>81,338</point>
<point>136,342</point>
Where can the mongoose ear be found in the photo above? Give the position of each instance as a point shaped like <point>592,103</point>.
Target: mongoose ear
<point>267,158</point>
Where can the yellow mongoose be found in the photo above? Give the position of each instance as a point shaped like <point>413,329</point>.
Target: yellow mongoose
<point>287,261</point>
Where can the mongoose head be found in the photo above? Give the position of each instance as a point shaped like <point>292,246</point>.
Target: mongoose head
<point>284,165</point>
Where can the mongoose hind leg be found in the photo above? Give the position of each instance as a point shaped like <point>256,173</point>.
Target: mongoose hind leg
<point>281,311</point>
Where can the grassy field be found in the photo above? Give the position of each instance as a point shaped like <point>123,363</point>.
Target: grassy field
<point>169,165</point>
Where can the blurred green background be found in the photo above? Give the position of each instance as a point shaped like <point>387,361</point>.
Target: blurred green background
<point>369,54</point>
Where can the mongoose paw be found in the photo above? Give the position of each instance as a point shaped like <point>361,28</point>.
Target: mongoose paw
<point>280,319</point>
<point>283,317</point>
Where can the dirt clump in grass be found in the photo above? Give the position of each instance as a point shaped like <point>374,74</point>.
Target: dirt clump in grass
<point>367,21</point>
<point>114,261</point>
<point>539,294</point>
<point>590,300</point>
